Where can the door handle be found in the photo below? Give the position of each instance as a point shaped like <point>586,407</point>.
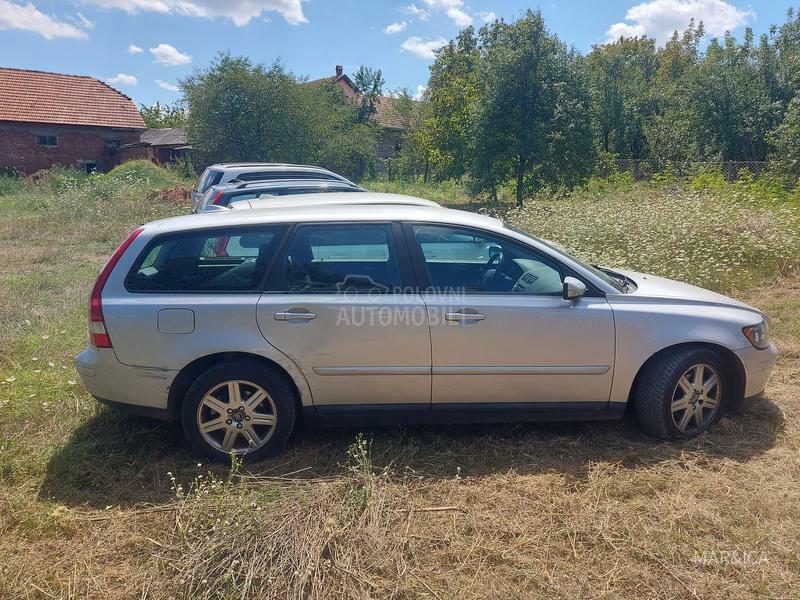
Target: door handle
<point>464,316</point>
<point>295,316</point>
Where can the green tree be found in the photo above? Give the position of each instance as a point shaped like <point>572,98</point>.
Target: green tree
<point>369,84</point>
<point>413,159</point>
<point>453,93</point>
<point>240,111</point>
<point>533,114</point>
<point>620,77</point>
<point>159,115</point>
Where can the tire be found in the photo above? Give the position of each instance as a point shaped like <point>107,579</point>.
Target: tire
<point>661,392</point>
<point>270,420</point>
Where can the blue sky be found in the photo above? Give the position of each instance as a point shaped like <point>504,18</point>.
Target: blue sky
<point>143,47</point>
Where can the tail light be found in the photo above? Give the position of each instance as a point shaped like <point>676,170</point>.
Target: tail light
<point>98,336</point>
<point>216,198</point>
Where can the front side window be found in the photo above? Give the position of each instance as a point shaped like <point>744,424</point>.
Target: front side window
<point>232,260</point>
<point>339,259</point>
<point>461,260</point>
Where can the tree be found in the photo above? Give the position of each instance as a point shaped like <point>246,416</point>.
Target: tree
<point>620,77</point>
<point>453,93</point>
<point>786,142</point>
<point>415,142</point>
<point>369,84</point>
<point>239,111</point>
<point>159,115</point>
<point>533,115</point>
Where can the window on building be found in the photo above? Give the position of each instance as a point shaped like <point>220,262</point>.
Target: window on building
<point>48,140</point>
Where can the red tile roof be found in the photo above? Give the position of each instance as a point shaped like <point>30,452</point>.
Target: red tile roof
<point>40,97</point>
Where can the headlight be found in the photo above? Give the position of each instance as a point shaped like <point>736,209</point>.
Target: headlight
<point>758,335</point>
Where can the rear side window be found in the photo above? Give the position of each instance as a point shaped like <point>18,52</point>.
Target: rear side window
<point>226,260</point>
<point>339,259</point>
<point>208,178</point>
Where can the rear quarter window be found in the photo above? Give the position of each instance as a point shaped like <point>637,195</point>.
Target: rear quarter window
<point>222,260</point>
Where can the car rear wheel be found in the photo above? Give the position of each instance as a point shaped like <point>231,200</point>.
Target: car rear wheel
<point>681,393</point>
<point>241,408</point>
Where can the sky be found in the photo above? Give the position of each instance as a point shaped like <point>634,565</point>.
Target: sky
<point>144,47</point>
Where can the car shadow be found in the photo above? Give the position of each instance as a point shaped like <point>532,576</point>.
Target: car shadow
<point>119,460</point>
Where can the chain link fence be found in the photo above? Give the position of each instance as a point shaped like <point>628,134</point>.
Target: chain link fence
<point>646,169</point>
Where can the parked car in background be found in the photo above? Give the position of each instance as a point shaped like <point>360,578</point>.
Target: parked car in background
<point>322,200</point>
<point>235,322</point>
<point>225,172</point>
<point>222,195</point>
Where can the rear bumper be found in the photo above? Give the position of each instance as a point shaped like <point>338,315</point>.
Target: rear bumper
<point>143,391</point>
<point>758,366</point>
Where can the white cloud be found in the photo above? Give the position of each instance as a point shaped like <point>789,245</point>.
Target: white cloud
<point>84,22</point>
<point>29,18</point>
<point>122,79</point>
<point>164,85</point>
<point>240,12</point>
<point>132,49</point>
<point>418,12</point>
<point>421,89</point>
<point>459,17</point>
<point>423,48</point>
<point>658,19</point>
<point>395,28</point>
<point>169,56</point>
<point>453,8</point>
<point>487,16</point>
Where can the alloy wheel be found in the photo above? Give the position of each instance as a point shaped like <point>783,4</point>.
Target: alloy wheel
<point>236,417</point>
<point>696,399</point>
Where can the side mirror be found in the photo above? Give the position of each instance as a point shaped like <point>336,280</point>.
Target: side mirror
<point>573,288</point>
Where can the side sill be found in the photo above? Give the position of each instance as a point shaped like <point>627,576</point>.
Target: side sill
<point>162,414</point>
<point>451,414</point>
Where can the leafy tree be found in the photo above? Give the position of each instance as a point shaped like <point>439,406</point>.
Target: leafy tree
<point>240,111</point>
<point>412,115</point>
<point>159,115</point>
<point>786,142</point>
<point>369,84</point>
<point>533,115</point>
<point>620,77</point>
<point>453,93</point>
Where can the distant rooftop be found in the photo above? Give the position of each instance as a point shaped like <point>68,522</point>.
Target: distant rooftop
<point>41,97</point>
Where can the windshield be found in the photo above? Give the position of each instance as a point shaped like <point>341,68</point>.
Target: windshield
<point>612,281</point>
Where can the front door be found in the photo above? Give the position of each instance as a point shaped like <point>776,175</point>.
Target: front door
<point>338,305</point>
<point>502,336</point>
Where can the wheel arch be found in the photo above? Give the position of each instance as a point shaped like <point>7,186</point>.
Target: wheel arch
<point>188,374</point>
<point>732,363</point>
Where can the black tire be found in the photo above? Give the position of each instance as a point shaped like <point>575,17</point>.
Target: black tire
<point>274,384</point>
<point>656,385</point>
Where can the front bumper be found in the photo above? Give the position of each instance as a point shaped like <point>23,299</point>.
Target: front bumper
<point>145,391</point>
<point>758,366</point>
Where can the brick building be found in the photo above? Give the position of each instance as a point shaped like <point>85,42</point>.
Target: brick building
<point>70,120</point>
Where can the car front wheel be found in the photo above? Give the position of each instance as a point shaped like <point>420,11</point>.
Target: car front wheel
<point>240,408</point>
<point>681,393</point>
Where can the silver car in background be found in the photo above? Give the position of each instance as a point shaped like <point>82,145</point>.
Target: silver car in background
<point>239,322</point>
<point>225,172</point>
<point>221,196</point>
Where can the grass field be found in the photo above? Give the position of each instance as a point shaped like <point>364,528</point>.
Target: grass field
<point>97,504</point>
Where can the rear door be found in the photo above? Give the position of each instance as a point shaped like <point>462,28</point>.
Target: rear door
<point>190,291</point>
<point>341,305</point>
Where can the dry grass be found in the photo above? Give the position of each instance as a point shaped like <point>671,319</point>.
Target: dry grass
<point>96,504</point>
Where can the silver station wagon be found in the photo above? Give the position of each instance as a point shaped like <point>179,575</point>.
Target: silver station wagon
<point>240,323</point>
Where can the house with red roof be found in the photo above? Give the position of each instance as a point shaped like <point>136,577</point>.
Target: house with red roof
<point>51,119</point>
<point>386,114</point>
